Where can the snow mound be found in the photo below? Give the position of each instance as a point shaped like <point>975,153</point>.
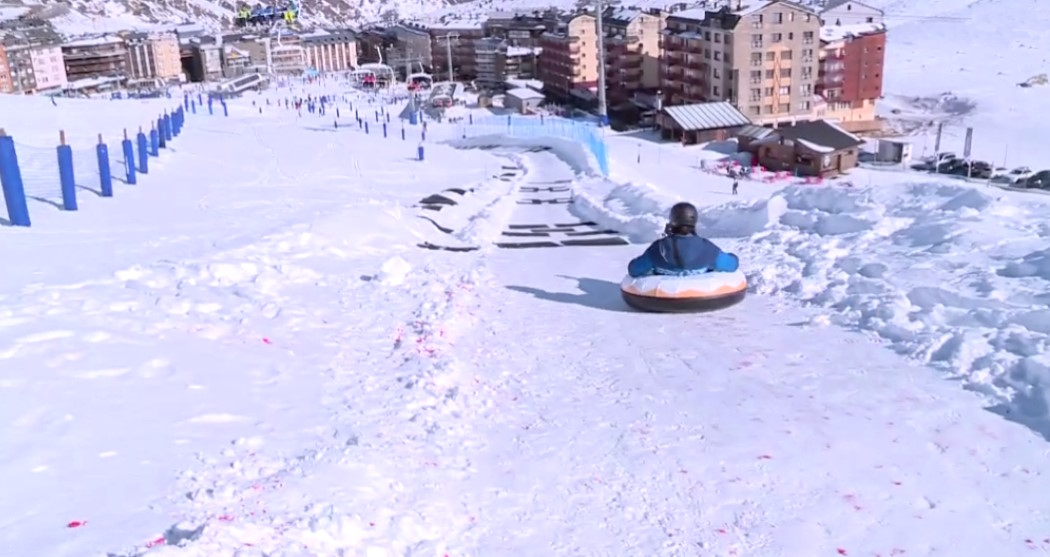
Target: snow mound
<point>947,274</point>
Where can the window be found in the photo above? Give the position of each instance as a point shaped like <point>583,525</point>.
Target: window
<point>718,37</point>
<point>715,73</point>
<point>805,89</point>
<point>715,91</point>
<point>756,58</point>
<point>768,92</point>
<point>805,106</point>
<point>768,109</point>
<point>786,55</point>
<point>756,76</point>
<point>807,36</point>
<point>784,108</point>
<point>770,74</point>
<point>707,35</point>
<point>791,36</point>
<point>869,20</point>
<point>756,95</point>
<point>756,40</point>
<point>754,109</point>
<point>771,56</point>
<point>785,73</point>
<point>778,17</point>
<point>785,91</point>
<point>776,38</point>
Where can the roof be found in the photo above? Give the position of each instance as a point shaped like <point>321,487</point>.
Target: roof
<point>832,4</point>
<point>820,136</point>
<point>524,94</point>
<point>832,33</point>
<point>706,116</point>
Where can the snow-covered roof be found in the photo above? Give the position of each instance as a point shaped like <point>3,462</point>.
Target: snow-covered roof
<point>94,41</point>
<point>707,116</point>
<point>521,51</point>
<point>832,33</point>
<point>525,94</point>
<point>534,84</point>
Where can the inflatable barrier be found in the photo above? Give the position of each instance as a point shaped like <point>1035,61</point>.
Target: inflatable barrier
<point>681,294</point>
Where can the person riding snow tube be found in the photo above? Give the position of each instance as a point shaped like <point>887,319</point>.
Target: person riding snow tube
<point>683,272</point>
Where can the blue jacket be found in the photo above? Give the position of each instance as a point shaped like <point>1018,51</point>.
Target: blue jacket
<point>682,255</point>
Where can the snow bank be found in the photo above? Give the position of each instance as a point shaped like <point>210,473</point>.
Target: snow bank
<point>950,275</point>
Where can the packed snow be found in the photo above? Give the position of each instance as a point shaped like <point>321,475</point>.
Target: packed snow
<point>249,352</point>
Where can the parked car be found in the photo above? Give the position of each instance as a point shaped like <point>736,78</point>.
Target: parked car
<point>1039,180</point>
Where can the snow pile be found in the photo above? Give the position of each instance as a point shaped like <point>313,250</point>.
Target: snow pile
<point>951,275</point>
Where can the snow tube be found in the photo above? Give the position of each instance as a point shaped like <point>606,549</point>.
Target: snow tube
<point>679,294</point>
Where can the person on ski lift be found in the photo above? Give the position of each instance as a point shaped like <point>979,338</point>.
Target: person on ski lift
<point>681,252</point>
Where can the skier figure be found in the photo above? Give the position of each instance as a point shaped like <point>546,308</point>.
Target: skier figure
<point>736,184</point>
<point>681,252</point>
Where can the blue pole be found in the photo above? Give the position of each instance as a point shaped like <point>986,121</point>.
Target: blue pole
<point>143,152</point>
<point>186,100</point>
<point>402,134</point>
<point>161,142</point>
<point>105,178</point>
<point>193,107</point>
<point>384,130</point>
<point>420,153</point>
<point>225,110</point>
<point>175,124</point>
<point>129,161</point>
<point>366,127</point>
<point>200,99</point>
<point>167,127</point>
<point>65,176</point>
<point>11,180</point>
<point>423,135</point>
<point>211,109</point>
<point>154,142</point>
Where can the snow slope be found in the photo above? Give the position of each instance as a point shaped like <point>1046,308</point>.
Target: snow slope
<point>248,354</point>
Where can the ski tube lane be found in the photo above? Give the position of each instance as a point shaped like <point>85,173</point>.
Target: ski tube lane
<point>742,432</point>
<point>542,218</point>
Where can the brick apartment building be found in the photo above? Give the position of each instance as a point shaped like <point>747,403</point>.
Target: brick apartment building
<point>568,64</point>
<point>6,84</point>
<point>762,57</point>
<point>851,74</point>
<point>632,52</point>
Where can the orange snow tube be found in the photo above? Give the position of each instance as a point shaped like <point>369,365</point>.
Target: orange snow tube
<point>682,294</point>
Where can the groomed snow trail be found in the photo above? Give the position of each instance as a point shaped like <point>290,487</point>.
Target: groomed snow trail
<point>753,431</point>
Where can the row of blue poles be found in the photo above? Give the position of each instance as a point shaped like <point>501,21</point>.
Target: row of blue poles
<point>168,126</point>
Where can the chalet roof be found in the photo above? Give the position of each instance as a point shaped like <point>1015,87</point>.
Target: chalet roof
<point>819,135</point>
<point>706,116</point>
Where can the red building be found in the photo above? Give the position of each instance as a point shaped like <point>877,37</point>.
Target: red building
<point>852,59</point>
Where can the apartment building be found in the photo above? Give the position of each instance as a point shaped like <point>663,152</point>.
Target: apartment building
<point>48,61</point>
<point>460,36</point>
<point>850,12</point>
<point>521,28</point>
<point>153,56</point>
<point>330,51</point>
<point>569,62</point>
<point>762,57</point>
<point>104,56</point>
<point>851,74</point>
<point>632,52</point>
<point>6,84</point>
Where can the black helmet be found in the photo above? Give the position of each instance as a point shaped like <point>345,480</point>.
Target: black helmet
<point>683,217</point>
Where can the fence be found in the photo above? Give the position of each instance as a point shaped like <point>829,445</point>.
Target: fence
<point>536,127</point>
<point>54,176</point>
